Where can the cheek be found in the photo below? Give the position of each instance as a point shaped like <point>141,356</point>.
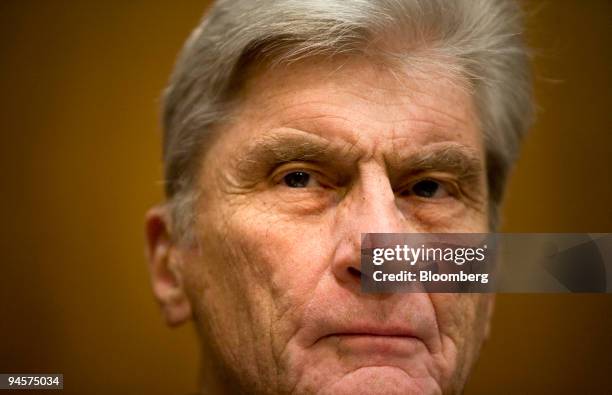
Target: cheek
<point>280,253</point>
<point>259,268</point>
<point>462,321</point>
<point>461,316</point>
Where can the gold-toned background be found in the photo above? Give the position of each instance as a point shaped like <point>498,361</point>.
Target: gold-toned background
<point>80,83</point>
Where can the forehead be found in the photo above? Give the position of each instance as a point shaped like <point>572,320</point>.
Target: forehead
<point>369,105</point>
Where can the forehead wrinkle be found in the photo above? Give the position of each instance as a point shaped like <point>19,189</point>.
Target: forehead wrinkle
<point>356,130</point>
<point>460,118</point>
<point>287,103</point>
<point>303,111</point>
<point>320,116</point>
<point>415,93</point>
<point>415,109</point>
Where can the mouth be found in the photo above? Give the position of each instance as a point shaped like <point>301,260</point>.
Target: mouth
<point>364,327</point>
<point>374,336</point>
<point>373,339</point>
<point>373,331</point>
<point>385,343</point>
<point>369,334</point>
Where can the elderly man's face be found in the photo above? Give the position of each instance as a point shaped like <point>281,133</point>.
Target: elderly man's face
<point>318,153</point>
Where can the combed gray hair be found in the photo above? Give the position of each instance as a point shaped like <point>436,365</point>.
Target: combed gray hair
<point>481,38</point>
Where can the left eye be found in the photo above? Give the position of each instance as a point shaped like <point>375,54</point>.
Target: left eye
<point>428,189</point>
<point>297,179</point>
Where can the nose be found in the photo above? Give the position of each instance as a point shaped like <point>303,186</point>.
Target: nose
<point>368,207</point>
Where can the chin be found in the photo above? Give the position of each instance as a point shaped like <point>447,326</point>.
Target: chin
<point>382,380</point>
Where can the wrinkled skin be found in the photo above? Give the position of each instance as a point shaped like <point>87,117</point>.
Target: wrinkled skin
<point>273,282</point>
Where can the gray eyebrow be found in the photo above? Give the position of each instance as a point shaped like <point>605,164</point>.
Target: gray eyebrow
<point>293,145</point>
<point>452,157</point>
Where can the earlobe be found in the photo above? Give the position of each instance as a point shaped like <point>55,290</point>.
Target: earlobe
<point>165,267</point>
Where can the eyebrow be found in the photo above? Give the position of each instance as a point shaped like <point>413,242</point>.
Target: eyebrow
<point>451,157</point>
<point>291,145</point>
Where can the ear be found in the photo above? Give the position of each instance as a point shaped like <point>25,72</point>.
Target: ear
<point>165,267</point>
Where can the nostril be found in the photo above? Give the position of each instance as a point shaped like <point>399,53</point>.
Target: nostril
<point>354,272</point>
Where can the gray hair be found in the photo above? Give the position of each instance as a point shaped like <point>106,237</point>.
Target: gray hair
<point>482,39</point>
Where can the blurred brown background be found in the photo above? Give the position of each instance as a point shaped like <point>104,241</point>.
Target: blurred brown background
<point>80,165</point>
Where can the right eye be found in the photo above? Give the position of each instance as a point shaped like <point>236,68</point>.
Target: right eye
<point>426,188</point>
<point>297,179</point>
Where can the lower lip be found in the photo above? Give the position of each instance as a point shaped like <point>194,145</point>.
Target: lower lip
<point>399,346</point>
